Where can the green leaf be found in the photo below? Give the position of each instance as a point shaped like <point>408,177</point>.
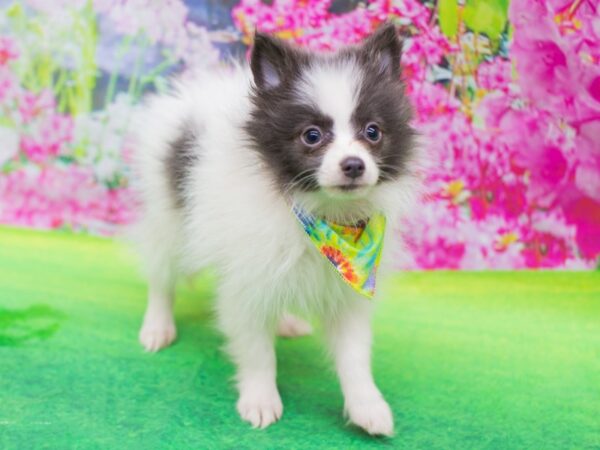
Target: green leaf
<point>6,122</point>
<point>486,16</point>
<point>448,16</point>
<point>15,11</point>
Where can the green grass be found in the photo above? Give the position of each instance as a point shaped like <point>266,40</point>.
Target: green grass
<point>467,361</point>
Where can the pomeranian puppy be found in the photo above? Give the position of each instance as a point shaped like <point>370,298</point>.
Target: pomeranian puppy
<point>262,173</point>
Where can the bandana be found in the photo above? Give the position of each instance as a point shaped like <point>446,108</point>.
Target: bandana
<point>354,250</point>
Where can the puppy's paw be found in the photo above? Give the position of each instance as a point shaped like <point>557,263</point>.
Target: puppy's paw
<point>371,414</point>
<point>292,326</point>
<point>157,333</point>
<point>260,407</point>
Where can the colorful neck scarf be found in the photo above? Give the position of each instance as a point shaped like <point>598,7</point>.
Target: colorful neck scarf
<point>353,250</point>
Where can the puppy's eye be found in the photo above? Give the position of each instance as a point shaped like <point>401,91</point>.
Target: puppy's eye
<point>312,136</point>
<point>373,133</point>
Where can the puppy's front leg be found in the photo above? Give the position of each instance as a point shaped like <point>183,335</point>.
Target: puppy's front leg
<point>349,336</point>
<point>251,346</point>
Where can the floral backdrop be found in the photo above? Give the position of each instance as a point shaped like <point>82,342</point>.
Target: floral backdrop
<point>506,95</point>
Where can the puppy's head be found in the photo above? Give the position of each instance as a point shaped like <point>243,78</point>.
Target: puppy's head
<point>331,126</point>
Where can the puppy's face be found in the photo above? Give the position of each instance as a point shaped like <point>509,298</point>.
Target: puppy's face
<point>332,124</point>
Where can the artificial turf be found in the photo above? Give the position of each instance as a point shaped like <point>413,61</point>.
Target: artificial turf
<point>466,361</point>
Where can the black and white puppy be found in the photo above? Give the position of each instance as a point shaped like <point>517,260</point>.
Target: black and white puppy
<point>222,160</point>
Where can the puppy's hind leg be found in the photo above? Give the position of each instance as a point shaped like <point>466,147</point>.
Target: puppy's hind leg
<point>158,328</point>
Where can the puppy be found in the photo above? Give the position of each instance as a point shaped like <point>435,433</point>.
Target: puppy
<point>234,168</point>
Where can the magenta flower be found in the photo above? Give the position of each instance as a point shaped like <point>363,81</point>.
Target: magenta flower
<point>584,213</point>
<point>544,250</point>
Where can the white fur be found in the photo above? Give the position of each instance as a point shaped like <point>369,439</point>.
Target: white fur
<point>292,326</point>
<point>239,223</point>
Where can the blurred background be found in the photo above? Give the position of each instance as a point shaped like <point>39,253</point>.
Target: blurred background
<point>506,97</point>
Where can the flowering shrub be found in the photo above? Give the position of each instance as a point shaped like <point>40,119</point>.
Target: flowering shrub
<point>506,99</point>
<point>63,151</point>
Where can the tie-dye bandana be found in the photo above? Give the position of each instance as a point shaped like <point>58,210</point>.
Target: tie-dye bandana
<point>354,250</point>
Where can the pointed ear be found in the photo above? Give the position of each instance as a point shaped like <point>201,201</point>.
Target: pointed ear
<point>382,50</point>
<point>272,61</point>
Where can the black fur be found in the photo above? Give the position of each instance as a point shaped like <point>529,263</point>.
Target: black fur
<point>184,151</point>
<point>382,100</point>
<point>277,119</point>
<point>271,52</point>
<point>381,52</point>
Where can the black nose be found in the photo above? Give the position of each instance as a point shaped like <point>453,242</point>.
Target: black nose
<point>353,167</point>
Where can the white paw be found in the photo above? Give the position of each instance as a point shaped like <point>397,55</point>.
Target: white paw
<point>371,414</point>
<point>292,326</point>
<point>157,333</point>
<point>260,407</point>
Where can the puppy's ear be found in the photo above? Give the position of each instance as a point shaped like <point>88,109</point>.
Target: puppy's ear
<point>382,51</point>
<point>272,61</point>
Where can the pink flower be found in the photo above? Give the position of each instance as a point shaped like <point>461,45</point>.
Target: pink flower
<point>53,134</point>
<point>413,10</point>
<point>9,86</point>
<point>8,50</point>
<point>309,23</point>
<point>544,69</point>
<point>33,105</point>
<point>56,196</point>
<point>495,75</point>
